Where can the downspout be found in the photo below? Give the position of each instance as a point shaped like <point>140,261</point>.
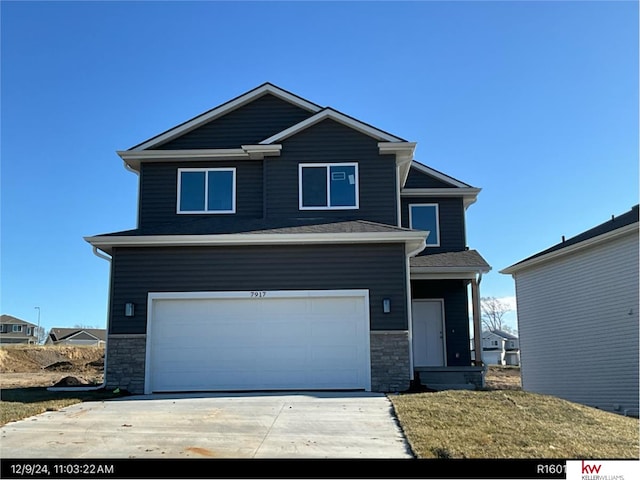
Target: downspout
<point>104,378</point>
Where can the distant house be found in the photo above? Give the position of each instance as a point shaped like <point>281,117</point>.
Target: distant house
<point>578,316</point>
<point>13,330</point>
<point>500,348</point>
<point>77,336</point>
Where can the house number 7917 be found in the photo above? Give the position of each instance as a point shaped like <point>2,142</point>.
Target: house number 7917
<point>258,294</point>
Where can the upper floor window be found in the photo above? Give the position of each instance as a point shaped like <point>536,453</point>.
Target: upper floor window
<point>330,186</point>
<point>425,217</point>
<point>16,328</point>
<point>211,190</point>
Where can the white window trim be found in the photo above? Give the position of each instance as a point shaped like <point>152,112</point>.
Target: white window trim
<point>327,166</point>
<point>206,191</point>
<point>16,328</point>
<point>411,205</point>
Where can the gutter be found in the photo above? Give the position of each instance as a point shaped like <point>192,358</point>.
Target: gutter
<point>104,378</point>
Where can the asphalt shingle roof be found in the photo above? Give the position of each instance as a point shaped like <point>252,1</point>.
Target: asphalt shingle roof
<point>220,226</point>
<point>466,258</point>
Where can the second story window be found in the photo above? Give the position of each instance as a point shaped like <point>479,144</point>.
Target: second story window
<point>211,190</point>
<point>332,186</point>
<point>425,217</point>
<point>16,328</point>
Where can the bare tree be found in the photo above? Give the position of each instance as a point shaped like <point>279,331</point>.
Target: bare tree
<point>493,311</point>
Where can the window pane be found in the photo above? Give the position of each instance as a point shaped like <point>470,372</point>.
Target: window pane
<point>314,186</point>
<point>220,191</point>
<point>343,186</point>
<point>192,191</point>
<point>423,217</point>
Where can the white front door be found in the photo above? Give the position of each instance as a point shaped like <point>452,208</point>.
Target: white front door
<point>428,333</point>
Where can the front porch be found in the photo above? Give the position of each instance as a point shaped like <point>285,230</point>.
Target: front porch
<point>449,378</point>
<point>441,328</point>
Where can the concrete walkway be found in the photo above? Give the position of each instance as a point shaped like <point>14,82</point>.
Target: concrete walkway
<point>256,425</point>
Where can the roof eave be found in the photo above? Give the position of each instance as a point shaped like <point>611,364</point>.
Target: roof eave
<point>576,247</point>
<point>413,240</point>
<point>133,159</point>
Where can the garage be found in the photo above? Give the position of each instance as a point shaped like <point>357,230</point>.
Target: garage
<point>258,340</point>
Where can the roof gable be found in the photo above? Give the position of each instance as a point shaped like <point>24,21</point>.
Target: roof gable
<point>224,109</point>
<point>13,320</point>
<point>421,176</point>
<point>57,334</point>
<point>329,113</point>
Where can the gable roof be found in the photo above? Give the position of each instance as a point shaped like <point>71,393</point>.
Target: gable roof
<point>220,110</point>
<point>330,113</point>
<point>503,334</point>
<point>14,321</point>
<point>612,228</point>
<point>58,334</point>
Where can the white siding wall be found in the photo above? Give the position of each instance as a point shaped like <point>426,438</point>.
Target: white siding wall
<point>578,325</point>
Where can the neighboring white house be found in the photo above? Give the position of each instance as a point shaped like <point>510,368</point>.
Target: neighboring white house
<point>578,317</point>
<point>500,348</point>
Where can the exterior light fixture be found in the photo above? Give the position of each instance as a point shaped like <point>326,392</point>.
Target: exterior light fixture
<point>129,309</point>
<point>386,305</point>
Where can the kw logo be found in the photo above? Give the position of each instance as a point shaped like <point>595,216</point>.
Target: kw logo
<point>586,468</point>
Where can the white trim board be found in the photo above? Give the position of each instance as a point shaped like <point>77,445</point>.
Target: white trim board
<point>414,240</point>
<point>225,108</point>
<point>525,264</point>
<point>331,114</point>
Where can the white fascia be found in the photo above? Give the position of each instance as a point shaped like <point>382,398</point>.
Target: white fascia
<point>469,195</point>
<point>133,158</point>
<point>451,273</point>
<point>439,175</point>
<point>414,240</point>
<point>226,108</point>
<point>404,156</point>
<point>338,117</point>
<point>571,249</point>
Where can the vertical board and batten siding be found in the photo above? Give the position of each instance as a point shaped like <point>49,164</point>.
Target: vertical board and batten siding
<point>159,191</point>
<point>578,325</point>
<point>451,216</point>
<point>330,142</point>
<point>456,315</point>
<point>379,268</point>
<point>247,125</point>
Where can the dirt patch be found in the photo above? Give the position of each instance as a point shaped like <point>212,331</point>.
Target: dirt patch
<point>45,366</point>
<point>503,378</point>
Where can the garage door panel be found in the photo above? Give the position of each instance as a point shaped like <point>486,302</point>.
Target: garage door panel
<point>298,342</point>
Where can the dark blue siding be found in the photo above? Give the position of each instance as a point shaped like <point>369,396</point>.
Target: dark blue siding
<point>417,179</point>
<point>379,268</point>
<point>328,142</point>
<point>456,313</point>
<point>247,125</point>
<point>159,190</point>
<point>452,228</point>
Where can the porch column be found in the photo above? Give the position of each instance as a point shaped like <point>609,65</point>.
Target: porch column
<point>477,330</point>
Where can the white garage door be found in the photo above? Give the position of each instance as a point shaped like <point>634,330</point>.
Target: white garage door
<point>294,340</point>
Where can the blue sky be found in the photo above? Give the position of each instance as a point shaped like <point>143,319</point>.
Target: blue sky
<point>534,102</point>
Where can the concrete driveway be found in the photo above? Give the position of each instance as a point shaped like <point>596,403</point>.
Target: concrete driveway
<point>256,425</point>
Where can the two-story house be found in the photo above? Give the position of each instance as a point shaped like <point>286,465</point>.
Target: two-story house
<point>285,245</point>
<point>500,348</point>
<point>14,330</point>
